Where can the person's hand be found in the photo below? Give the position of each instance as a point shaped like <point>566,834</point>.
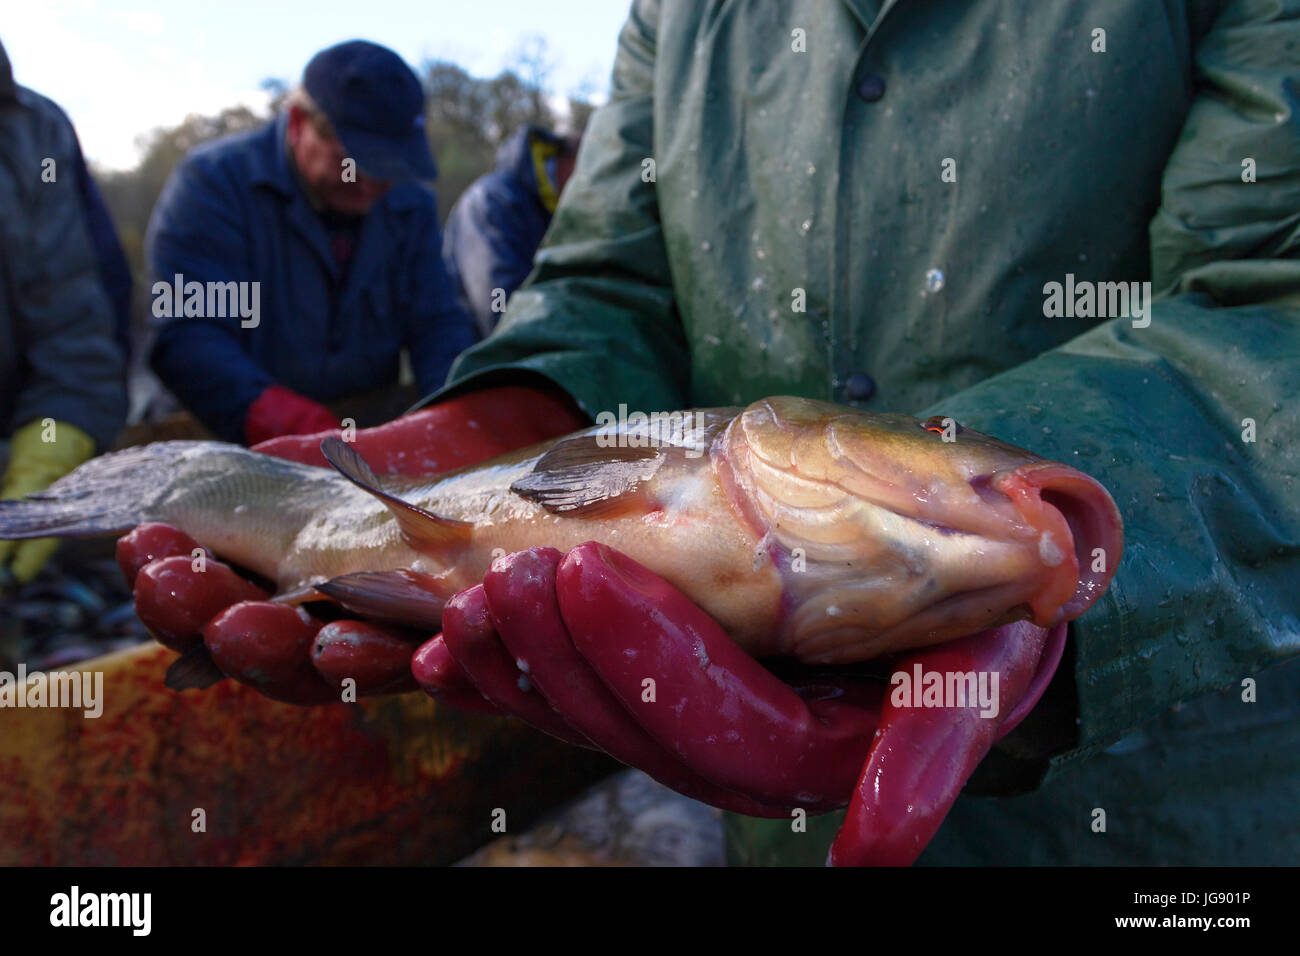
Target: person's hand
<point>40,453</point>
<point>204,609</point>
<point>452,434</point>
<point>923,756</point>
<point>594,649</point>
<point>279,411</point>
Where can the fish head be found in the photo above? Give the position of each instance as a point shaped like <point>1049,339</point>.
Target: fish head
<point>892,533</point>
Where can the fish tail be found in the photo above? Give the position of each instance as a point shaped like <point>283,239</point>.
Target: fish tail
<point>105,496</point>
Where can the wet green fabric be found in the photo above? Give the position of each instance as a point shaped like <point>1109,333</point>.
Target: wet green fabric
<point>745,222</point>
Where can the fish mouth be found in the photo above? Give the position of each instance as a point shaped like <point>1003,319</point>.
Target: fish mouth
<point>1058,548</point>
<point>1080,536</point>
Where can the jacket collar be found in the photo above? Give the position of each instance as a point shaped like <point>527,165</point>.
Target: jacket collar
<point>270,161</point>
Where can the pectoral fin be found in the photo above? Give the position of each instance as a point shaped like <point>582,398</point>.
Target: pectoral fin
<point>581,477</point>
<point>193,670</point>
<point>423,530</point>
<point>406,598</point>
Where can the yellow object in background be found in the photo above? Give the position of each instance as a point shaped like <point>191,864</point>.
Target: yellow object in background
<point>542,152</point>
<point>40,453</point>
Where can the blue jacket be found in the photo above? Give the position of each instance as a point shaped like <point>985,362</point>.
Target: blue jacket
<point>58,354</point>
<point>110,259</point>
<point>497,224</point>
<point>233,211</point>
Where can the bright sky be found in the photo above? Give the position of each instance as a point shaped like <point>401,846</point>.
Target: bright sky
<point>121,67</point>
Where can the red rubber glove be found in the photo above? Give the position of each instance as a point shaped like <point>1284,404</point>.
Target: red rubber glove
<point>924,756</point>
<point>278,411</point>
<point>280,650</point>
<point>458,432</point>
<point>593,648</point>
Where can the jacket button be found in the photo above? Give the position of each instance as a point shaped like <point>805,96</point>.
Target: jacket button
<point>871,87</point>
<point>860,387</point>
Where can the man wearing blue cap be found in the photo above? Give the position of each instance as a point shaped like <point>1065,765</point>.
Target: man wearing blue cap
<point>291,264</point>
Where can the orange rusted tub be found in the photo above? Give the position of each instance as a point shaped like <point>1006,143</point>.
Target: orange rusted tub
<point>395,780</point>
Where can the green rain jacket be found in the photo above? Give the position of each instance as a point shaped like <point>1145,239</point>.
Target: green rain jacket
<point>864,202</point>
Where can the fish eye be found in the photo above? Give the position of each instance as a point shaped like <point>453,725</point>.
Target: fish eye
<point>935,423</point>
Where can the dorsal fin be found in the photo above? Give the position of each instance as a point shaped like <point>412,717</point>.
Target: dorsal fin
<point>581,477</point>
<point>423,530</point>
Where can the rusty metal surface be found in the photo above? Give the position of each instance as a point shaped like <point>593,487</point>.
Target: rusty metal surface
<point>396,780</point>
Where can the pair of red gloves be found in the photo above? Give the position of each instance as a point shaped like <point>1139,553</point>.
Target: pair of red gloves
<point>550,638</point>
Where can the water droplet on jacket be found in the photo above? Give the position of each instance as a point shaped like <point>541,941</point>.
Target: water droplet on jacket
<point>807,225</point>
<point>811,169</point>
<point>933,282</point>
<point>757,284</point>
<point>705,246</point>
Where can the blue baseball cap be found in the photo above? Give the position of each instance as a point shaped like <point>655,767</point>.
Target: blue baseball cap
<point>376,105</point>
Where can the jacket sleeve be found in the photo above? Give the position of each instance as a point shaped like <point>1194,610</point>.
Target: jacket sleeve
<point>597,316</point>
<point>490,244</point>
<point>438,327</point>
<point>114,271</point>
<point>195,231</point>
<point>75,369</point>
<point>1191,420</point>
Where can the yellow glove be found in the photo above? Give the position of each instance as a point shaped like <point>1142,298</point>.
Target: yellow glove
<point>40,453</point>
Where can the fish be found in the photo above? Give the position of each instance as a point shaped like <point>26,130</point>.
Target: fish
<point>805,529</point>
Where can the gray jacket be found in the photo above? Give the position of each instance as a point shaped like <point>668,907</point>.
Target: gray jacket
<point>58,356</point>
